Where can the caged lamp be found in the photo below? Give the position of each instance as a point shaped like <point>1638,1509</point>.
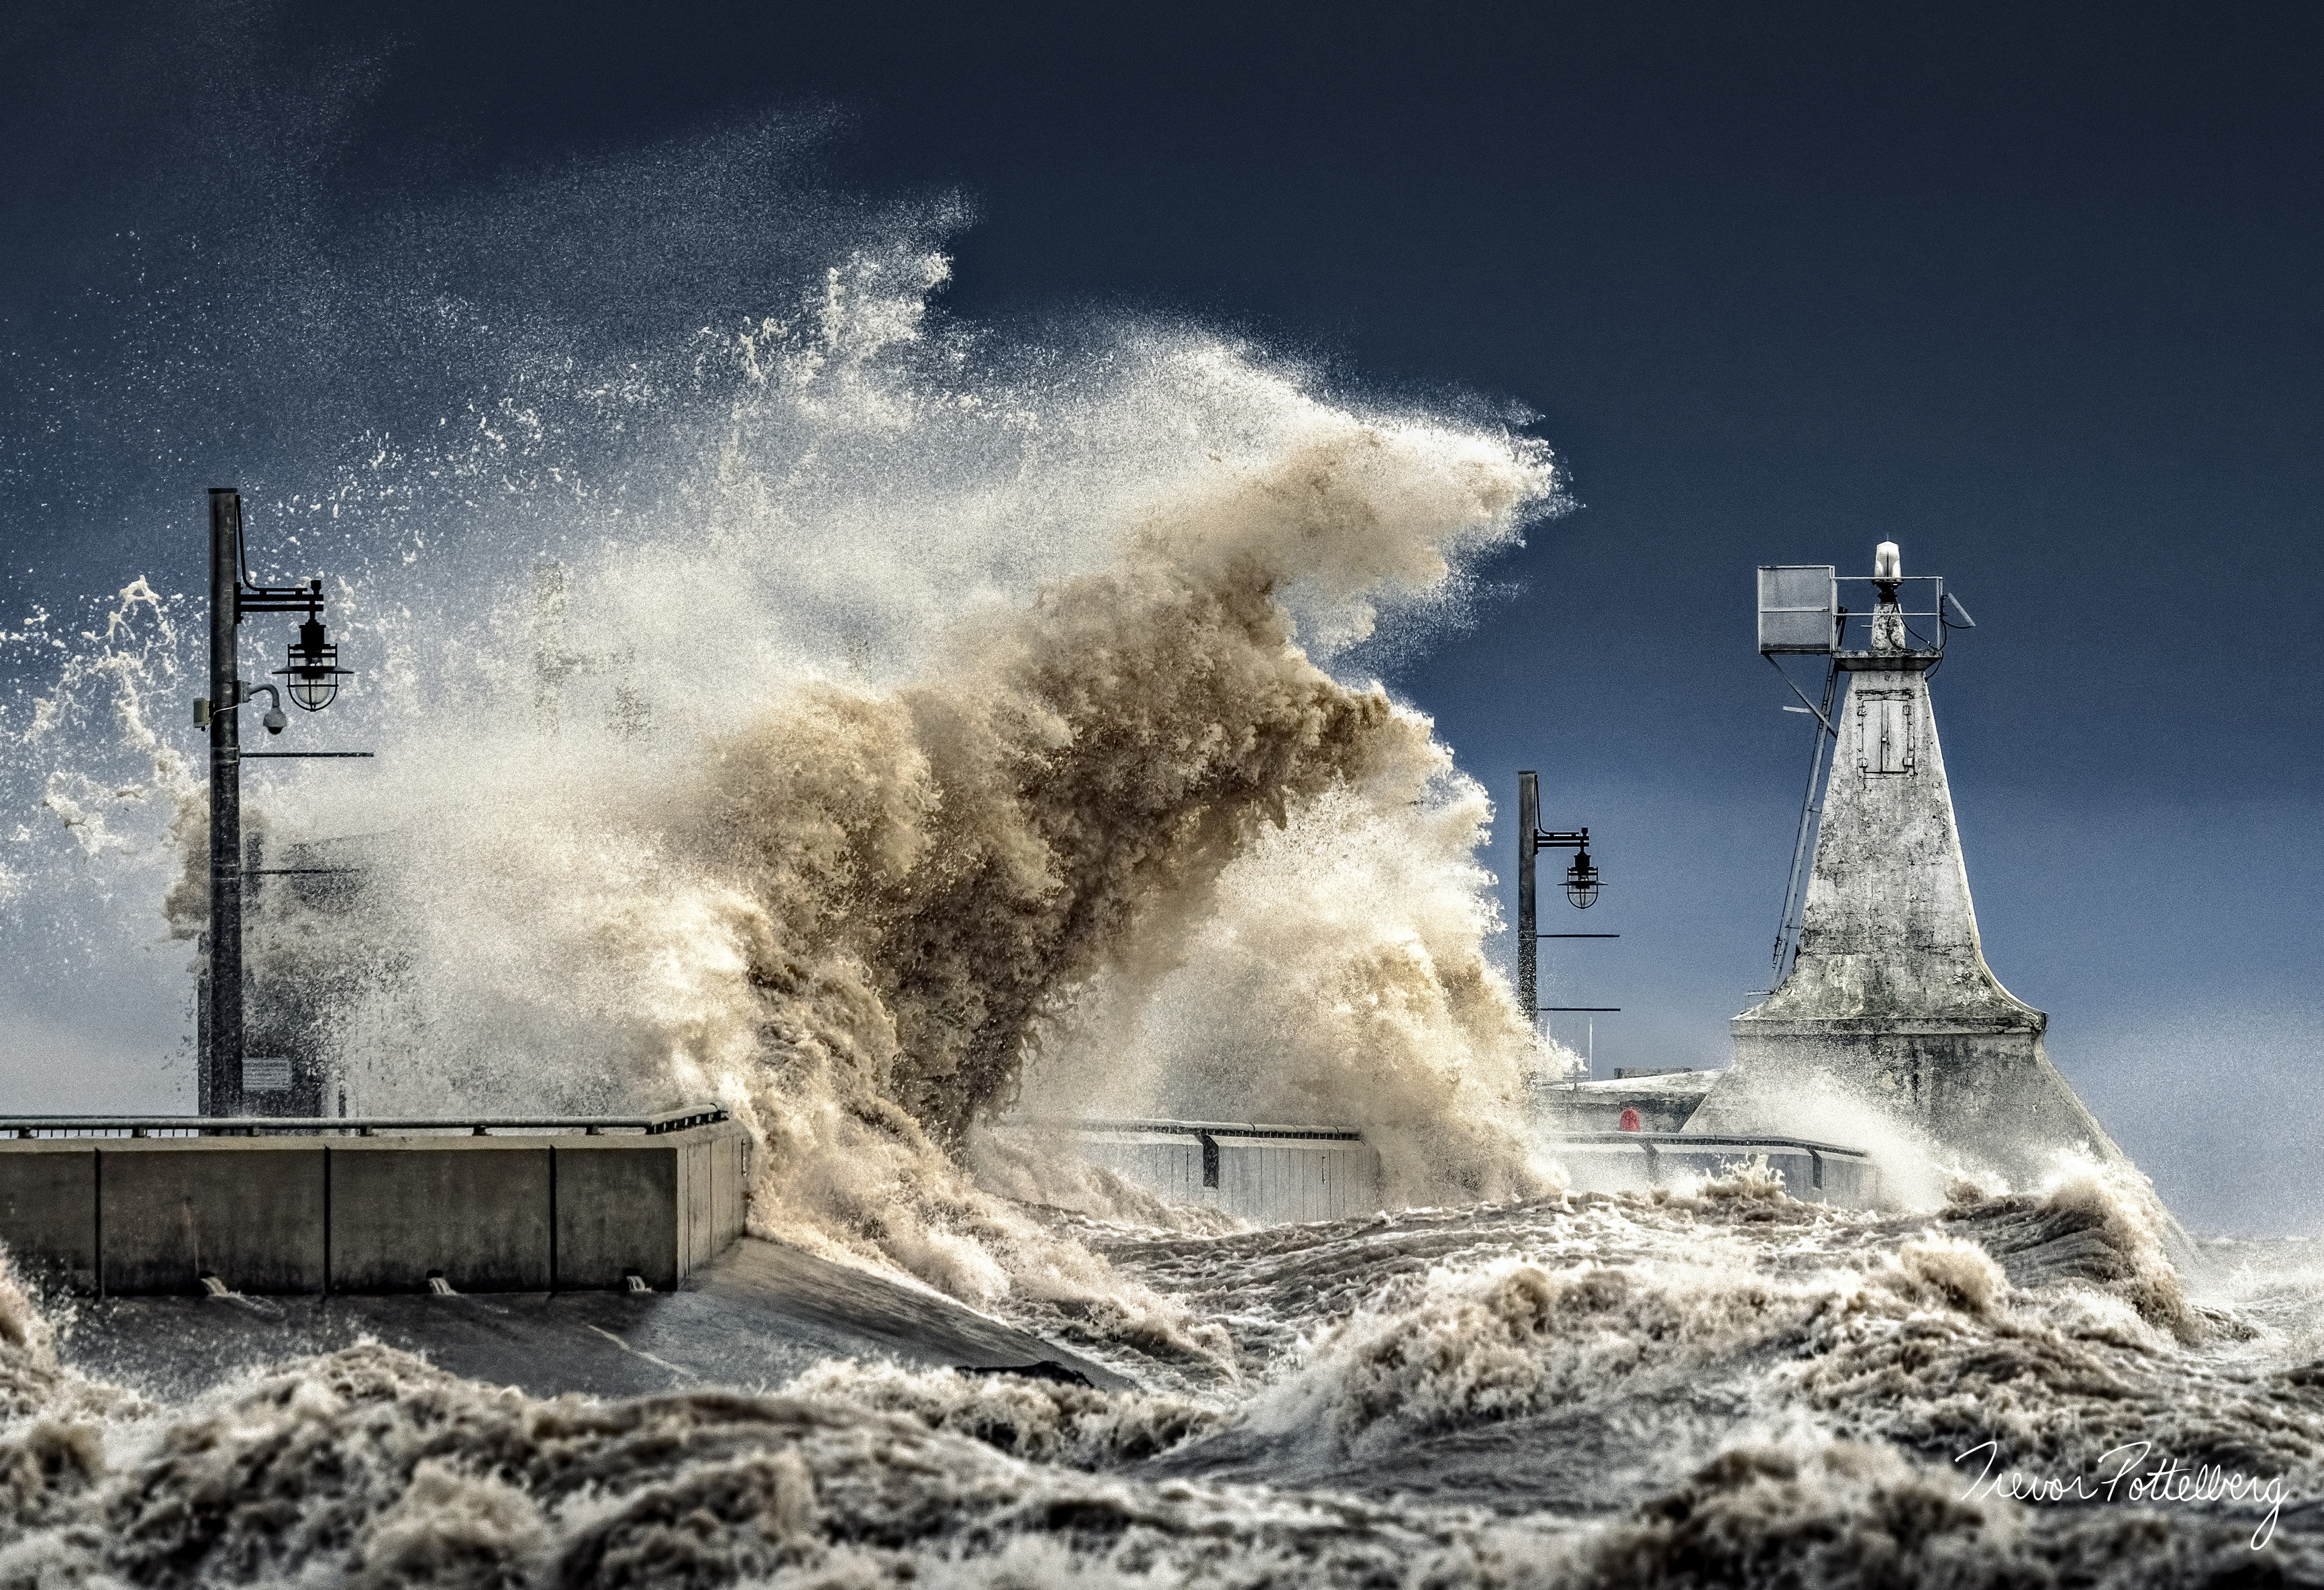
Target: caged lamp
<point>314,672</point>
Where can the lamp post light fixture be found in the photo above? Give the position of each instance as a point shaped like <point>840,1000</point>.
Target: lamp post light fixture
<point>314,672</point>
<point>1582,886</point>
<point>313,678</point>
<point>1581,877</point>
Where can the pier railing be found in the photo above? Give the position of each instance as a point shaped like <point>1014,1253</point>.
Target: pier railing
<point>66,1126</point>
<point>1197,1129</point>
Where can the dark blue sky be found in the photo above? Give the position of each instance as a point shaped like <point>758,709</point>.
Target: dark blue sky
<point>2032,289</point>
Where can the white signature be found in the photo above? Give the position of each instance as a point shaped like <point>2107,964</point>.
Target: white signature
<point>2167,1481</point>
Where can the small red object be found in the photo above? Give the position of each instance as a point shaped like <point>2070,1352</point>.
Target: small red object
<point>1630,1122</point>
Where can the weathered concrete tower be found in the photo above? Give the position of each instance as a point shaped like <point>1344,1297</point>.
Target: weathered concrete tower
<point>1887,1000</point>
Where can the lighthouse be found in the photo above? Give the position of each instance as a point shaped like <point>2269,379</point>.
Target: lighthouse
<point>1884,997</point>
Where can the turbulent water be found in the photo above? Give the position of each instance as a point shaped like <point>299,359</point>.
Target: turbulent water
<point>876,725</point>
<point>1720,1386</point>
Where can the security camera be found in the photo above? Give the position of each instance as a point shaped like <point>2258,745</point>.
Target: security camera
<point>274,720</point>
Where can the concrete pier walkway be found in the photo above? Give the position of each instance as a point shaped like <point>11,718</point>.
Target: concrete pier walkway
<point>755,1316</point>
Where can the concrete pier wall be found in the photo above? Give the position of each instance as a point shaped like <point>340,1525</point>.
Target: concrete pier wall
<point>378,1215</point>
<point>1633,1161</point>
<point>1268,1175</point>
<point>1289,1181</point>
<point>252,1212</point>
<point>1288,1173</point>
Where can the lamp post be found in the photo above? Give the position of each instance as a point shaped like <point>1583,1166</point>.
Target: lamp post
<point>312,675</point>
<point>1581,885</point>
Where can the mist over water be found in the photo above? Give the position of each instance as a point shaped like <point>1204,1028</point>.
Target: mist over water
<point>879,722</point>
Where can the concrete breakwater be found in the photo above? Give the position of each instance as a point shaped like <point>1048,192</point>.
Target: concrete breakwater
<point>1632,1162</point>
<point>1281,1174</point>
<point>602,1206</point>
<point>1262,1173</point>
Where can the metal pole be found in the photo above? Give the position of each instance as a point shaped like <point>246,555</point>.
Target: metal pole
<point>1528,826</point>
<point>1810,806</point>
<point>221,1077</point>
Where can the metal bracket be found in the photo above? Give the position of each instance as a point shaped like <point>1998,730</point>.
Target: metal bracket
<point>1806,706</point>
<point>250,597</point>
